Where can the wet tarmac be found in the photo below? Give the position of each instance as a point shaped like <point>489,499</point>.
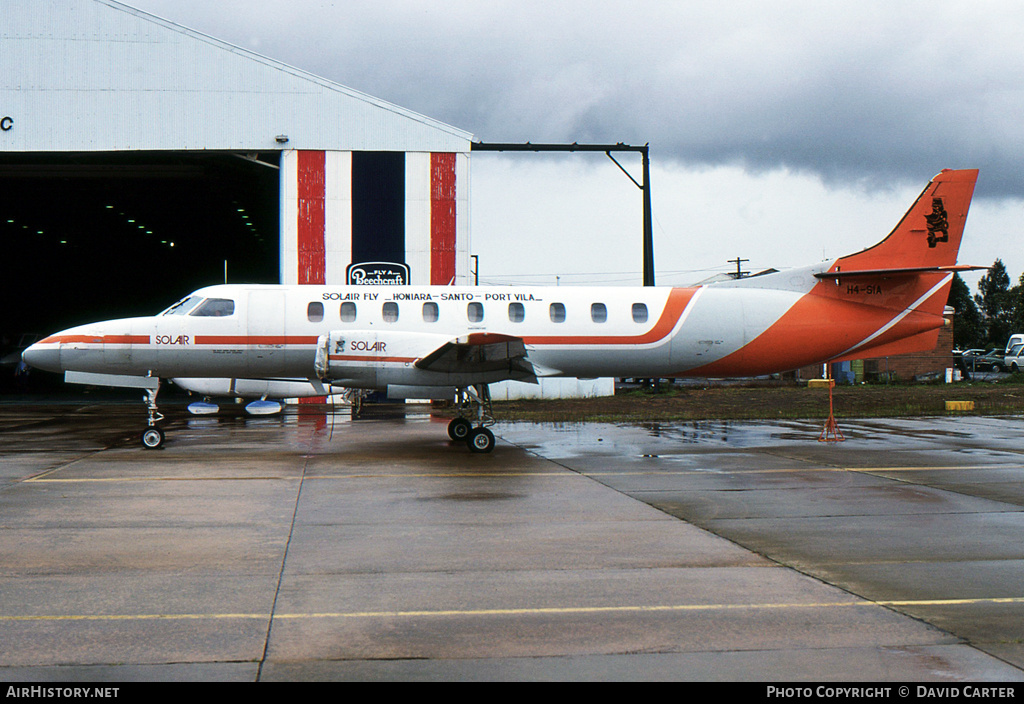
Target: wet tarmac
<point>309,546</point>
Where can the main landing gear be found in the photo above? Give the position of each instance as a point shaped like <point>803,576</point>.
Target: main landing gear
<point>460,429</point>
<point>153,437</point>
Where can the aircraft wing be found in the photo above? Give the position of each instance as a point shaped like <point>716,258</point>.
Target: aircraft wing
<point>481,353</point>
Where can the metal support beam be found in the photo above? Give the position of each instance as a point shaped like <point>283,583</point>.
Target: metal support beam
<point>644,185</point>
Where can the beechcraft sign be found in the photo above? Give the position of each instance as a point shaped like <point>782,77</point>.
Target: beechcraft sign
<point>377,274</point>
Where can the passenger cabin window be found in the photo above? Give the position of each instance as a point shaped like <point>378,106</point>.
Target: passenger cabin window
<point>390,312</point>
<point>598,312</point>
<point>348,312</point>
<point>516,312</point>
<point>315,312</point>
<point>639,313</point>
<point>475,312</point>
<point>430,312</point>
<point>215,308</point>
<point>557,312</point>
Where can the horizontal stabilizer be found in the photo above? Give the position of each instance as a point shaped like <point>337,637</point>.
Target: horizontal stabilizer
<point>840,274</point>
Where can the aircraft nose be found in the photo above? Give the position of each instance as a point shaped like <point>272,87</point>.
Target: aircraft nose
<point>43,355</point>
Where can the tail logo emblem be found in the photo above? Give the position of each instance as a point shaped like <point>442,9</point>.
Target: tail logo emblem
<point>938,222</point>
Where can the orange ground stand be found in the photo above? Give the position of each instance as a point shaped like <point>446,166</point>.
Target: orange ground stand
<point>831,431</point>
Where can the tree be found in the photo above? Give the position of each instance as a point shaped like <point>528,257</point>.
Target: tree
<point>968,331</point>
<point>1016,306</point>
<point>995,304</point>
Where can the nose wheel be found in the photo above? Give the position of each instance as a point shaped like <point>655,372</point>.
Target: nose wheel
<point>152,438</point>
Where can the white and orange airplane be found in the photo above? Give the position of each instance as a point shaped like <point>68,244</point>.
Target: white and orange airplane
<point>451,342</point>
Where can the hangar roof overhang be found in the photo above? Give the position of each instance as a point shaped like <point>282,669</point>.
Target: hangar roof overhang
<point>97,75</point>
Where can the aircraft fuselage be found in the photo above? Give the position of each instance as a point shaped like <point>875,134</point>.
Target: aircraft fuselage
<point>774,323</point>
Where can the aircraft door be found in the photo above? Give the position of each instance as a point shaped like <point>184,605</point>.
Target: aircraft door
<point>126,344</point>
<point>265,331</point>
<point>117,350</point>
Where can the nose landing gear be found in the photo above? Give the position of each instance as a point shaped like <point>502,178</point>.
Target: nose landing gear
<point>153,437</point>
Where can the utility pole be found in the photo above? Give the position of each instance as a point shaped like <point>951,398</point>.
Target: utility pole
<point>739,272</point>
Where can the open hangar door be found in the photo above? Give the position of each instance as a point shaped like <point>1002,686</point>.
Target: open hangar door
<point>96,236</point>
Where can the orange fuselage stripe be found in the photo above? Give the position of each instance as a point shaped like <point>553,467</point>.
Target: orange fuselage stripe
<point>256,339</point>
<point>98,339</point>
<point>678,299</point>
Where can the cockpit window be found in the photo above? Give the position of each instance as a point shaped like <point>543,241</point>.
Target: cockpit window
<point>183,306</point>
<point>215,308</point>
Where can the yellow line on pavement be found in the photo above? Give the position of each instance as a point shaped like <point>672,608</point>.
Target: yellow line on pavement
<point>536,611</point>
<point>45,479</point>
<point>378,475</point>
<point>114,480</point>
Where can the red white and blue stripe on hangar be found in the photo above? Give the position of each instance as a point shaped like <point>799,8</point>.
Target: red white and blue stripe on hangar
<point>379,196</point>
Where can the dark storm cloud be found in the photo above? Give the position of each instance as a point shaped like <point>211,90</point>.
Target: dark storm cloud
<point>876,93</point>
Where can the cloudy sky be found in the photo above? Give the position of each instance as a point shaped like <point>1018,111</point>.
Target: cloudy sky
<point>781,132</point>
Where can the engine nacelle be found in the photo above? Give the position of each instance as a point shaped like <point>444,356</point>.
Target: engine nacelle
<point>373,358</point>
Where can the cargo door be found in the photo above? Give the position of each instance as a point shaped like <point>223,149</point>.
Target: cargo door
<point>265,333</point>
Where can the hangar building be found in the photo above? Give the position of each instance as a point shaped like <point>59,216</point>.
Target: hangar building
<point>155,159</point>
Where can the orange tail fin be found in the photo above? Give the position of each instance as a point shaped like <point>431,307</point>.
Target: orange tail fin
<point>928,236</point>
<point>909,272</point>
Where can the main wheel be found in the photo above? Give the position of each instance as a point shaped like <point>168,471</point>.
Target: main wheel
<point>459,429</point>
<point>152,438</point>
<point>480,440</point>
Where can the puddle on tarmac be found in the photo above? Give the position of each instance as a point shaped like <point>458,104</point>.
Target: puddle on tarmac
<point>650,440</point>
<point>665,440</point>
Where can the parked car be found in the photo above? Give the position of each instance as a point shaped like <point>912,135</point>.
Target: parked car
<point>1014,359</point>
<point>982,361</point>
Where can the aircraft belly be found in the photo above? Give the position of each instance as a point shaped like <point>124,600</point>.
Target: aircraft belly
<point>411,376</point>
<point>603,360</point>
<point>382,376</point>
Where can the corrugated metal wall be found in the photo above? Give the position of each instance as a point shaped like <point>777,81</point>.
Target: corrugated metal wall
<point>359,177</point>
<point>97,75</point>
